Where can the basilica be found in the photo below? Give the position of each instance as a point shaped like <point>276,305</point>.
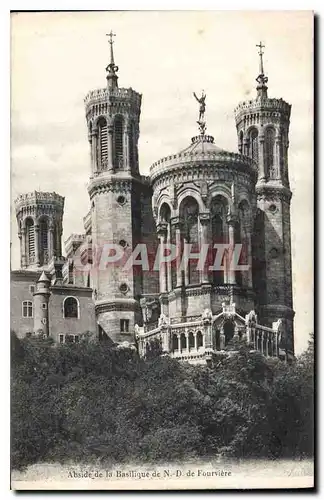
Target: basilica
<point>201,197</point>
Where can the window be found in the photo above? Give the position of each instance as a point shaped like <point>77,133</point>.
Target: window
<point>44,321</point>
<point>27,309</point>
<point>43,230</point>
<point>30,241</point>
<point>124,325</point>
<point>44,305</point>
<point>254,146</point>
<point>69,339</point>
<point>71,307</point>
<point>123,288</point>
<point>269,153</point>
<point>31,289</point>
<point>103,143</point>
<point>118,136</point>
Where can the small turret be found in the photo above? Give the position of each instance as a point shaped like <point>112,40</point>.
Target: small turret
<point>41,298</point>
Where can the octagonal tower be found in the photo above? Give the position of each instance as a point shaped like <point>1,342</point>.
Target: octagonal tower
<point>115,189</point>
<point>39,216</point>
<point>263,135</point>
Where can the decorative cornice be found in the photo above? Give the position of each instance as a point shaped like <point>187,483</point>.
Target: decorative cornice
<point>268,191</point>
<point>49,202</point>
<point>262,104</point>
<point>202,160</point>
<point>106,182</point>
<point>116,305</point>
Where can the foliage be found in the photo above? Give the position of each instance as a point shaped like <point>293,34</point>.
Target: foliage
<point>88,401</point>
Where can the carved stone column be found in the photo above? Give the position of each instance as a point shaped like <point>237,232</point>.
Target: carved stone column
<point>179,342</point>
<point>278,155</point>
<point>94,150</point>
<point>37,242</point>
<point>231,220</point>
<point>187,341</point>
<point>50,236</point>
<point>168,265</point>
<point>162,232</point>
<point>204,240</point>
<point>23,247</point>
<point>222,339</point>
<point>126,146</point>
<point>262,174</point>
<point>176,223</point>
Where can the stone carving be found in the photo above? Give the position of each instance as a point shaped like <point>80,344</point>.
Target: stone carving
<point>164,320</point>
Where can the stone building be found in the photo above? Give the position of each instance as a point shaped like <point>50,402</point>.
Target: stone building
<point>204,202</point>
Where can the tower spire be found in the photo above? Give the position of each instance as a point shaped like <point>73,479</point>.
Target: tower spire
<point>111,68</point>
<point>262,79</point>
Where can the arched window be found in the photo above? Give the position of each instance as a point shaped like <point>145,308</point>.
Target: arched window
<point>30,241</point>
<point>27,309</point>
<point>118,142</point>
<point>71,307</point>
<point>228,331</point>
<point>189,213</point>
<point>174,342</point>
<point>191,341</point>
<point>200,341</point>
<point>241,142</point>
<point>102,144</point>
<point>131,132</point>
<point>254,145</point>
<point>269,144</point>
<point>183,341</point>
<point>43,239</point>
<point>218,211</point>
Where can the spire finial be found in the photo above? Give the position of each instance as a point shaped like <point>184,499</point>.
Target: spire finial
<point>111,68</point>
<point>262,79</point>
<point>202,108</point>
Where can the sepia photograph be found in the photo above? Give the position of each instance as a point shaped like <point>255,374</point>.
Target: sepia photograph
<point>161,237</point>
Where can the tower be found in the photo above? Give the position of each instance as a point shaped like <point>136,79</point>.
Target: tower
<point>263,134</point>
<point>39,217</point>
<point>115,186</point>
<point>41,297</point>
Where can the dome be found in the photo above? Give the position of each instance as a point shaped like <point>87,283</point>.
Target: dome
<point>203,152</point>
<point>202,144</point>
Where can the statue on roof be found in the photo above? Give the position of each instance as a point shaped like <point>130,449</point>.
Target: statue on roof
<point>202,106</point>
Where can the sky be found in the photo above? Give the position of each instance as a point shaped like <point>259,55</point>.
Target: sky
<point>57,57</point>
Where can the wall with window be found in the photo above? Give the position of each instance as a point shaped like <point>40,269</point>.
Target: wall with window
<point>71,312</point>
<point>21,289</point>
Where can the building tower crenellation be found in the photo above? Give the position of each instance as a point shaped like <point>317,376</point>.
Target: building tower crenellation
<point>39,217</point>
<point>263,134</point>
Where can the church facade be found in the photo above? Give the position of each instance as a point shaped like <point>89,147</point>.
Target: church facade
<point>219,222</point>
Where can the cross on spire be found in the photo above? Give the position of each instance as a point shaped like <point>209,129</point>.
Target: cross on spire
<point>262,79</point>
<point>260,47</point>
<point>111,68</point>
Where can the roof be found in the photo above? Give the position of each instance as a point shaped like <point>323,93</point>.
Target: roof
<point>202,144</point>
